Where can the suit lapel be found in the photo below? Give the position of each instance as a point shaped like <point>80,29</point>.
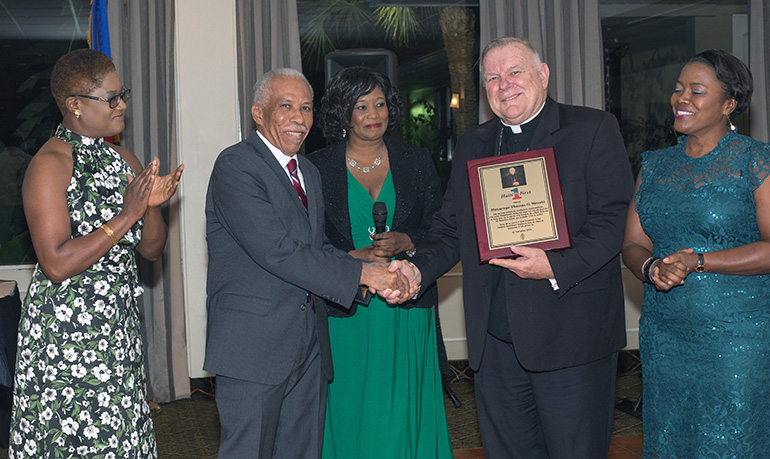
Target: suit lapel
<point>263,151</point>
<point>404,180</point>
<point>337,190</point>
<point>314,194</point>
<point>549,124</point>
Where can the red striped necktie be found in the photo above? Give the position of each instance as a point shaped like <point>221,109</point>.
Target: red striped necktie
<point>292,166</point>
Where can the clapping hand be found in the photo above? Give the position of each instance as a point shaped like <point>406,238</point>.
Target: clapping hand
<point>164,186</point>
<point>147,189</point>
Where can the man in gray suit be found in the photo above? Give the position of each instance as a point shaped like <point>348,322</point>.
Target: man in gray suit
<point>269,268</point>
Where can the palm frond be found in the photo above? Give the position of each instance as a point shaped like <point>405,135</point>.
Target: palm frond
<point>399,23</point>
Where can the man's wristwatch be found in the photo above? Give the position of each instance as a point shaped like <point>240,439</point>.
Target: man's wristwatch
<point>410,253</point>
<point>701,267</point>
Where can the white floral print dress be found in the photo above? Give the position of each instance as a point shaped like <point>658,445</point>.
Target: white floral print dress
<point>80,384</point>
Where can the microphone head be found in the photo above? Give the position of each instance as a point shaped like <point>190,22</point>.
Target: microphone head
<point>380,216</point>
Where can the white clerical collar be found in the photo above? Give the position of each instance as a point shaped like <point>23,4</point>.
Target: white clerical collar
<point>516,128</point>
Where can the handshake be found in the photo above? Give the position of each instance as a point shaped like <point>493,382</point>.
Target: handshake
<point>396,282</point>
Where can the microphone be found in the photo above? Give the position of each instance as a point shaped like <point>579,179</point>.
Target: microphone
<point>380,216</point>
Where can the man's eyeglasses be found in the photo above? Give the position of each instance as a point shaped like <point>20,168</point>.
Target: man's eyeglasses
<point>114,101</point>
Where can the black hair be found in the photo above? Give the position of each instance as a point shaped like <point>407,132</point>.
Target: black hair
<point>78,72</point>
<point>343,93</point>
<point>735,77</point>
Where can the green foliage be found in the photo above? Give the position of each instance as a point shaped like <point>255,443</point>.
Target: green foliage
<point>327,25</point>
<point>400,24</point>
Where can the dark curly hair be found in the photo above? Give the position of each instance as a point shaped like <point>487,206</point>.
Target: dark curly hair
<point>78,72</point>
<point>735,77</point>
<point>344,91</point>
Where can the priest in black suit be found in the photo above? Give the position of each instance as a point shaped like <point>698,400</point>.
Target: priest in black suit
<point>543,329</point>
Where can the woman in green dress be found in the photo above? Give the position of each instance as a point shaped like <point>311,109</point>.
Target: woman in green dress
<point>80,384</point>
<point>386,399</point>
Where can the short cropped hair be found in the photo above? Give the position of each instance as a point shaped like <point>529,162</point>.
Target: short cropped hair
<point>734,75</point>
<point>78,72</point>
<point>505,41</point>
<point>261,91</point>
<point>343,93</point>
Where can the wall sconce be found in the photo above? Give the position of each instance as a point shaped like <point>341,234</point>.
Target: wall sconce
<point>454,102</point>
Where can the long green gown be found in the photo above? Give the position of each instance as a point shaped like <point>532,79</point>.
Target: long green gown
<point>385,400</point>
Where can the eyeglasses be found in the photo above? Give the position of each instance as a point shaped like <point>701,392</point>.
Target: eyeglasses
<point>114,101</point>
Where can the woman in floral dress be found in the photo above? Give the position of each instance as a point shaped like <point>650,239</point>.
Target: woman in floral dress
<point>80,384</point>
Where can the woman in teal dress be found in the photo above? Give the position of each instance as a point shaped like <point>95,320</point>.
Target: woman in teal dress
<point>80,384</point>
<point>386,399</point>
<point>699,236</point>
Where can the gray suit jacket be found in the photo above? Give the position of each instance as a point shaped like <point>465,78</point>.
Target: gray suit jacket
<point>265,254</point>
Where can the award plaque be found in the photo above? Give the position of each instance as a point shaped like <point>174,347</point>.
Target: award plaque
<point>517,200</point>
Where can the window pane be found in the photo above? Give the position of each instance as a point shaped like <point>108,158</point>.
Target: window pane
<point>33,35</point>
<point>646,43</point>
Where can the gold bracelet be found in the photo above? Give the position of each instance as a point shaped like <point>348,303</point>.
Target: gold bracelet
<point>110,234</point>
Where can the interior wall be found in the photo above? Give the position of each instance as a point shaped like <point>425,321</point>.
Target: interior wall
<point>207,123</point>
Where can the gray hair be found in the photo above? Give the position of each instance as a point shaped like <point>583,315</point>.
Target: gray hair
<point>505,41</point>
<point>260,94</point>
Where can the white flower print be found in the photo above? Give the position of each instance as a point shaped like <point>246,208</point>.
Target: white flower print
<point>107,214</point>
<point>85,228</point>
<point>101,287</point>
<point>85,417</point>
<point>36,331</point>
<point>69,426</point>
<point>68,393</point>
<point>78,370</point>
<point>87,140</point>
<point>24,426</point>
<point>46,415</point>
<point>48,395</point>
<point>91,432</point>
<point>84,318</point>
<point>52,351</point>
<point>89,355</point>
<point>70,354</point>
<point>101,372</point>
<point>50,373</point>
<point>30,447</point>
<point>104,400</point>
<point>89,208</point>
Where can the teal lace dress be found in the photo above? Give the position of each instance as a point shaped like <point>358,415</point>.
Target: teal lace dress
<point>80,384</point>
<point>705,345</point>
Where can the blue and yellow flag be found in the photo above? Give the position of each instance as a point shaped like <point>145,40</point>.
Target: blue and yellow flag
<point>99,28</point>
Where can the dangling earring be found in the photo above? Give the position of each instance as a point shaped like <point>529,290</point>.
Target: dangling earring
<point>732,126</point>
<point>77,114</point>
<point>344,133</point>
